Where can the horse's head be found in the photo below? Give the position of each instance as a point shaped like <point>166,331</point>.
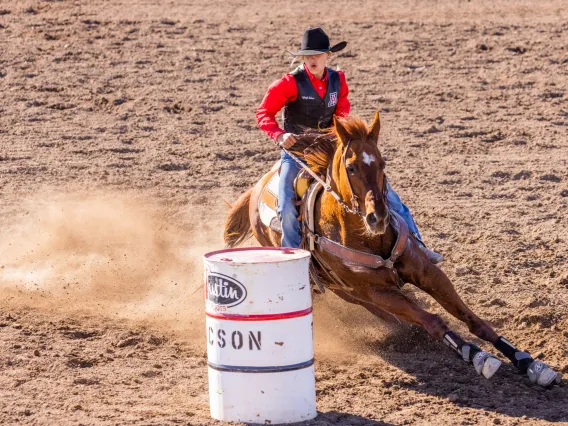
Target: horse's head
<point>358,170</point>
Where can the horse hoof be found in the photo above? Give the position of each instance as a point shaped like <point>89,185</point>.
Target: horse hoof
<point>486,364</point>
<point>543,375</point>
<point>490,367</point>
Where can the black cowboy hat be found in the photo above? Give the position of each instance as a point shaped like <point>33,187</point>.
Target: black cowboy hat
<point>316,41</point>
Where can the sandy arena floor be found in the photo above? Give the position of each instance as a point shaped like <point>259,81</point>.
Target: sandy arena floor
<point>124,125</point>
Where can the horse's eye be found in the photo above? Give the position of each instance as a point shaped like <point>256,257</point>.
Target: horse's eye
<point>350,168</point>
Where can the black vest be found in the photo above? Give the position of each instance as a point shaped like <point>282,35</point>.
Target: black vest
<point>309,110</point>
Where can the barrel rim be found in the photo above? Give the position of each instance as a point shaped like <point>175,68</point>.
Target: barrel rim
<point>241,249</point>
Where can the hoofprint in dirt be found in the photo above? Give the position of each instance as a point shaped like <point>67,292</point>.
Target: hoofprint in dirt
<point>161,99</point>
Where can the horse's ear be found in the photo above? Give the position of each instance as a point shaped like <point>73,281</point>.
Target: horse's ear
<point>340,131</point>
<point>375,127</point>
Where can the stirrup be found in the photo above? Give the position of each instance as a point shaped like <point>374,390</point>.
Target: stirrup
<point>432,255</point>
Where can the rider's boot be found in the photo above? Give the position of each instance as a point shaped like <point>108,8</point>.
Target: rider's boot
<point>433,256</point>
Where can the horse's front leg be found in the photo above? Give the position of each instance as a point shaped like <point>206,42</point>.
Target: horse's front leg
<point>393,301</point>
<point>428,277</point>
<point>378,312</point>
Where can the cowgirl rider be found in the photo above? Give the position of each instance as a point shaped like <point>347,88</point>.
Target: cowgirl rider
<point>311,95</point>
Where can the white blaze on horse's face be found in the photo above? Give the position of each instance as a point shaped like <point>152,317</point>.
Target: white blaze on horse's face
<point>376,216</point>
<point>368,158</point>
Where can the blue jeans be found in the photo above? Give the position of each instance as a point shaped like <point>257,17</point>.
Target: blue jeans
<point>287,210</point>
<point>395,203</point>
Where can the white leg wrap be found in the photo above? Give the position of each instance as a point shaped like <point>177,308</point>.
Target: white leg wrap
<point>542,374</point>
<point>486,364</point>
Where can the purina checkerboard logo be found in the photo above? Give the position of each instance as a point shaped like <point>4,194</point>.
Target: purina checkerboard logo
<point>332,99</point>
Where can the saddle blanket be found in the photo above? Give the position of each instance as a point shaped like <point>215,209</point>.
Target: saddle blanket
<point>268,201</point>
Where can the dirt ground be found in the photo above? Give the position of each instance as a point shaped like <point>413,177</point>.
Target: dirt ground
<point>124,125</point>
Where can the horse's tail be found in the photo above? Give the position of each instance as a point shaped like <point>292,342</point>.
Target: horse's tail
<point>237,225</point>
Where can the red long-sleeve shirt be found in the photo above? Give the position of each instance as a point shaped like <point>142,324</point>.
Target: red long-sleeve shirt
<point>285,90</point>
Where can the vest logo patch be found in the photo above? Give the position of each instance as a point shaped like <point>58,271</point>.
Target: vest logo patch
<point>308,97</point>
<point>332,99</point>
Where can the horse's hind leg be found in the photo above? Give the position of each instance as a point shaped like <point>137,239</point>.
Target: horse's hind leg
<point>396,303</point>
<point>437,284</point>
<point>537,371</point>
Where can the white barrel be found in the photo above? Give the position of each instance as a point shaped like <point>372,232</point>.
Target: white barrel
<point>260,347</point>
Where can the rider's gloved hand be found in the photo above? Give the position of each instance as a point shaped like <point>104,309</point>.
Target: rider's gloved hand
<point>287,140</point>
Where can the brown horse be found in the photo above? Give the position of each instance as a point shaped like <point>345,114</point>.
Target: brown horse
<point>371,253</point>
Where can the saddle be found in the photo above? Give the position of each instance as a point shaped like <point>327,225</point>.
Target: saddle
<point>268,201</point>
<point>321,274</point>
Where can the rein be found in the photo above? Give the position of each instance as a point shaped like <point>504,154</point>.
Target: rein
<point>354,200</point>
<point>354,209</point>
<point>368,260</point>
<point>326,186</point>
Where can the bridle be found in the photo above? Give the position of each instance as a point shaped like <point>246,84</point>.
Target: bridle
<point>340,251</point>
<point>355,209</point>
<point>355,206</point>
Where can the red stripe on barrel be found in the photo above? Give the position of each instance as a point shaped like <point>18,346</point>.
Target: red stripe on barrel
<point>263,317</point>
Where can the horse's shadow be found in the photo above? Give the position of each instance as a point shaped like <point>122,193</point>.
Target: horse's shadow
<point>438,372</point>
<point>335,418</point>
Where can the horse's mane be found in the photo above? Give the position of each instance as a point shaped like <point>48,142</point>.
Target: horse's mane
<point>317,147</point>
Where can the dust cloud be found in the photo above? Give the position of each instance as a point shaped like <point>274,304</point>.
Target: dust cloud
<point>109,254</point>
<point>114,255</point>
